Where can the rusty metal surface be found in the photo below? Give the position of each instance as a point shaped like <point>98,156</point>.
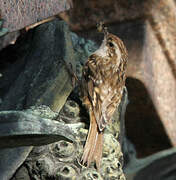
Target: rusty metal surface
<point>18,14</point>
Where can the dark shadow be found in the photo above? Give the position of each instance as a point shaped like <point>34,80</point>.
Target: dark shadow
<point>143,125</point>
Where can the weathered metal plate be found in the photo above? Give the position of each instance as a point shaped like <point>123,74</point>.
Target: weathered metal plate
<point>18,14</point>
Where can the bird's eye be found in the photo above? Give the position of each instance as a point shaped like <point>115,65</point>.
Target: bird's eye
<point>110,44</point>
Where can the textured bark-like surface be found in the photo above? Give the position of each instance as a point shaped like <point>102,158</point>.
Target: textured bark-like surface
<point>19,14</point>
<point>40,78</point>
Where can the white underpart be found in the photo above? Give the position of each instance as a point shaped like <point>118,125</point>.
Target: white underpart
<point>102,50</point>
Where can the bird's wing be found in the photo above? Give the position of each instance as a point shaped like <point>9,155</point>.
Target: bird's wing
<point>106,107</point>
<point>103,101</point>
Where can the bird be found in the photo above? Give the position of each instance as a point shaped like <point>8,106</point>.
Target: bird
<point>102,84</point>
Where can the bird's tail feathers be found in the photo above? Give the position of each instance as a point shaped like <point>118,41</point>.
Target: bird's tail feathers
<point>93,147</point>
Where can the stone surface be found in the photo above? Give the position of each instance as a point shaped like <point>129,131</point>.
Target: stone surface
<point>51,45</point>
<point>61,160</point>
<point>41,79</point>
<point>25,129</point>
<point>11,159</point>
<point>19,14</point>
<point>22,174</point>
<point>70,112</point>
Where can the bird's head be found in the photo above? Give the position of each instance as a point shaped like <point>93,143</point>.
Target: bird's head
<point>112,47</point>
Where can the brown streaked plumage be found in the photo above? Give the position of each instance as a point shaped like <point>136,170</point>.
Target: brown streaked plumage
<point>103,81</point>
